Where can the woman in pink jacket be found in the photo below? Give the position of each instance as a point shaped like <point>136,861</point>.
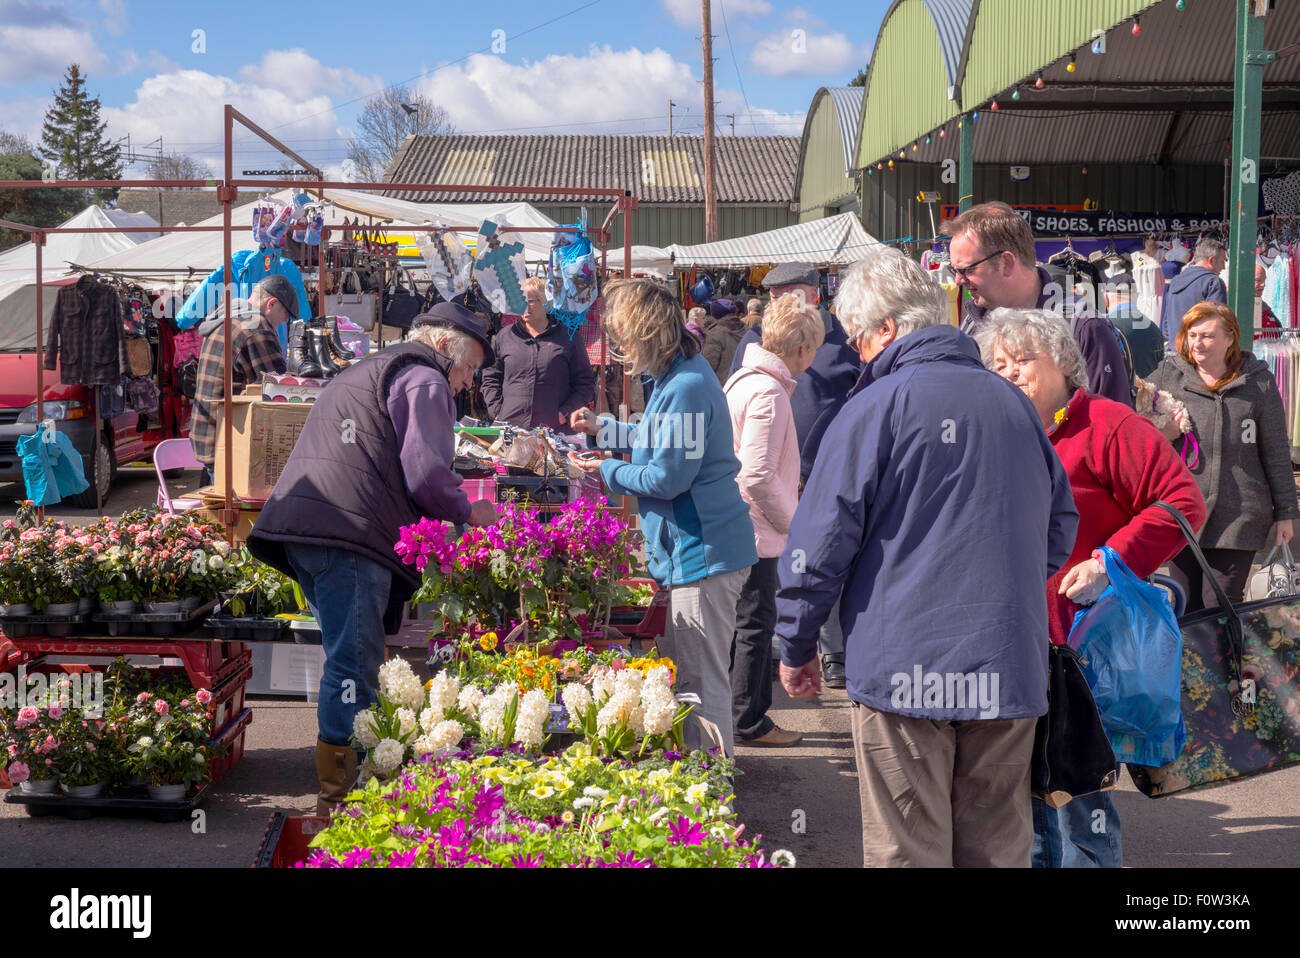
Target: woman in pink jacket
<point>762,424</point>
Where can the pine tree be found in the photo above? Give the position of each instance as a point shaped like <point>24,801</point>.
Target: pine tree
<point>73,136</point>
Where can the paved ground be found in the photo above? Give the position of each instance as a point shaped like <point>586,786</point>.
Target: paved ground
<point>1251,824</point>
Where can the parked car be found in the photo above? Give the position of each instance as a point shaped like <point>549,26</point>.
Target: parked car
<point>71,409</point>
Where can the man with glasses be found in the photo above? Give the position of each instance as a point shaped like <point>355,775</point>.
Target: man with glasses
<point>992,256</point>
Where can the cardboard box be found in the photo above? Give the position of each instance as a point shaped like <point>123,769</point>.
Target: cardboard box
<point>295,389</point>
<point>263,437</point>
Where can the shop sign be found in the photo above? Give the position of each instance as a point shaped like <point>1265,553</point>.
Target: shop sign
<point>1114,222</point>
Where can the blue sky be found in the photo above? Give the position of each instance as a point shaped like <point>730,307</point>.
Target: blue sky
<point>303,71</point>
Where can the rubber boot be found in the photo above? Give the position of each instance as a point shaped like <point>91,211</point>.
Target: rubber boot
<point>319,350</point>
<point>337,348</point>
<point>336,767</point>
<point>300,363</point>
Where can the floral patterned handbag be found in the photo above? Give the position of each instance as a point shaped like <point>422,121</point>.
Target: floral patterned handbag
<point>1241,690</point>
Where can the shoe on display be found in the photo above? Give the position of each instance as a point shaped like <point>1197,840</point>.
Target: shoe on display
<point>775,737</point>
<point>299,361</point>
<point>318,348</point>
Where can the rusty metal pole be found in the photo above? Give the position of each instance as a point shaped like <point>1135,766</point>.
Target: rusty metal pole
<point>602,402</point>
<point>229,516</point>
<point>38,239</point>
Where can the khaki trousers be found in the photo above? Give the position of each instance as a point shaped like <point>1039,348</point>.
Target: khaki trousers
<point>943,794</point>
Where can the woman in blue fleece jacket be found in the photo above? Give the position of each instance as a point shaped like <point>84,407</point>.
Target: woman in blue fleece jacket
<point>699,539</point>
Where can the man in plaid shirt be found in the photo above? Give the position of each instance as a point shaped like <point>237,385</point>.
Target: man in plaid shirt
<point>256,350</point>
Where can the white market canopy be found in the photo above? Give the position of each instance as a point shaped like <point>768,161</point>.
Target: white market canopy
<point>175,257</point>
<point>18,267</point>
<point>835,240</point>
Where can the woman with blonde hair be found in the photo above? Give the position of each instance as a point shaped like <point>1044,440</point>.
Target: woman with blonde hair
<point>699,540</point>
<point>762,424</point>
<point>541,373</point>
<point>1239,450</point>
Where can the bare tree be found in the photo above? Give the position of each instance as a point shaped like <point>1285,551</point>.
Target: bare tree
<point>179,166</point>
<point>387,119</point>
<point>16,143</point>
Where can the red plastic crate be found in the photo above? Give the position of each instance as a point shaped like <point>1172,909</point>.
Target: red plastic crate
<point>287,836</point>
<point>228,699</point>
<point>233,738</point>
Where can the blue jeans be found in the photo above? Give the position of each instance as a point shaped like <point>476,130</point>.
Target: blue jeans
<point>1083,834</point>
<point>348,594</point>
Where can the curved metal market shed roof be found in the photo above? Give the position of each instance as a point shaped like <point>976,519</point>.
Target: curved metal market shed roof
<point>1162,97</point>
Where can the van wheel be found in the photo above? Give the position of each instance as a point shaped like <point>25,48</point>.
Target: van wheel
<point>99,473</point>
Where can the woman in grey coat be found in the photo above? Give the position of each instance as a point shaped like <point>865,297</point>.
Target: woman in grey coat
<point>1239,450</point>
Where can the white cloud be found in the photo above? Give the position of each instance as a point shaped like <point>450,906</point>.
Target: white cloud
<point>686,13</point>
<point>185,108</point>
<point>115,21</point>
<point>801,52</point>
<point>297,73</point>
<point>30,51</point>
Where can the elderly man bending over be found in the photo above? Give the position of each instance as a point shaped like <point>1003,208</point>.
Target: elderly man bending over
<point>375,454</point>
<point>945,653</point>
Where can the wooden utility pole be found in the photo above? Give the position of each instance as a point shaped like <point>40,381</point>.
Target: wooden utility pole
<point>710,166</point>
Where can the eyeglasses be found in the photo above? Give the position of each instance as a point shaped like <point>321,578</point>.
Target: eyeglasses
<point>966,270</point>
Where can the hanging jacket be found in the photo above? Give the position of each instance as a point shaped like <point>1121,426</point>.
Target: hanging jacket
<point>683,473</point>
<point>1193,285</point>
<point>1243,465</point>
<point>821,390</point>
<point>935,514</point>
<point>249,266</point>
<point>87,341</point>
<point>52,470</point>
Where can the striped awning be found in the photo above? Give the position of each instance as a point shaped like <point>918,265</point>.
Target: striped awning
<point>834,240</point>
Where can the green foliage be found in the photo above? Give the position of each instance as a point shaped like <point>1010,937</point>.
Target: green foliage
<point>75,137</point>
<point>44,208</point>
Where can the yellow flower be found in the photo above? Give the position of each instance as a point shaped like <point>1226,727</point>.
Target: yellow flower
<point>428,685</point>
<point>487,641</point>
<point>521,763</point>
<point>483,761</point>
<point>542,792</point>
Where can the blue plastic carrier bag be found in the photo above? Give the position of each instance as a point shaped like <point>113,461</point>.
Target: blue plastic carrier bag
<point>1132,652</point>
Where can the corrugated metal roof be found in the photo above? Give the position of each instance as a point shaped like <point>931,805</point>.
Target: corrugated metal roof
<point>950,20</point>
<point>657,169</point>
<point>848,108</point>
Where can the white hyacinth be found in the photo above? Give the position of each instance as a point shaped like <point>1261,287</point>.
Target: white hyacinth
<point>602,686</point>
<point>443,737</point>
<point>493,709</point>
<point>429,718</point>
<point>577,700</point>
<point>363,730</point>
<point>471,696</point>
<point>443,692</point>
<point>387,755</point>
<point>406,722</point>
<point>658,719</point>
<point>617,710</point>
<point>530,726</point>
<point>659,676</point>
<point>628,680</point>
<point>399,684</point>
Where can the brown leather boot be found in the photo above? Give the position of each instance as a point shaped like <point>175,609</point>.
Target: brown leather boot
<point>336,767</point>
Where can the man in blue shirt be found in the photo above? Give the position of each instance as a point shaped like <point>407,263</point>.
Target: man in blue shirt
<point>1145,342</point>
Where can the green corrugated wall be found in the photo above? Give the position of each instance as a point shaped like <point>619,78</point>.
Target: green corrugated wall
<point>907,95</point>
<point>824,184</point>
<point>908,90</point>
<point>664,225</point>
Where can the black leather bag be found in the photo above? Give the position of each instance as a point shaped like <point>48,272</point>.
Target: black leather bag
<point>401,302</point>
<point>1072,754</point>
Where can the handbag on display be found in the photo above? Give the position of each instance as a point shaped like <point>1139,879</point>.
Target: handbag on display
<point>1276,577</point>
<point>1072,755</point>
<point>401,302</point>
<point>356,305</point>
<point>1240,689</point>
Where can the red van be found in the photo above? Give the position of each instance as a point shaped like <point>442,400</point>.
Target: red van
<point>71,408</point>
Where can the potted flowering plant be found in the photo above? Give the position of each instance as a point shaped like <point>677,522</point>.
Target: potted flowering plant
<point>29,735</point>
<point>169,745</point>
<point>85,756</point>
<point>17,555</point>
<point>458,575</point>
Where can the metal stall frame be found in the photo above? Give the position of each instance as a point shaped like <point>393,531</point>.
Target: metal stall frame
<point>227,190</point>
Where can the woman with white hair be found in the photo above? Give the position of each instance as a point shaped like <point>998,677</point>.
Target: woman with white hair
<point>1119,467</point>
<point>762,423</point>
<point>699,540</point>
<point>930,453</point>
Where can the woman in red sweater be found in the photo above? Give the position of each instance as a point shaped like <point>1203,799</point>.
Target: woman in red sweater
<point>1119,465</point>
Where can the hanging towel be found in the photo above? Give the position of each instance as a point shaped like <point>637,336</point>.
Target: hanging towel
<point>51,466</point>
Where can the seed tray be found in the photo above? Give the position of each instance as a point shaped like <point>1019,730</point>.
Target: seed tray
<point>247,628</point>
<point>21,626</point>
<point>153,623</point>
<point>130,802</point>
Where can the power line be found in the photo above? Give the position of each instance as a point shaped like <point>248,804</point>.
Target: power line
<point>464,59</point>
<point>731,47</point>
